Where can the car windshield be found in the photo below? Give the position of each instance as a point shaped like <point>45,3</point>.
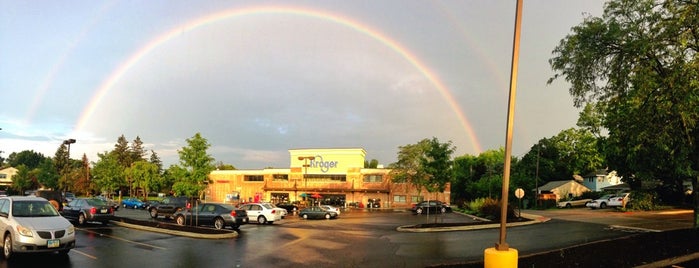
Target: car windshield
<point>33,209</point>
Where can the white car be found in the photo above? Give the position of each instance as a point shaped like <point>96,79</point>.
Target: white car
<point>331,208</point>
<point>33,225</point>
<point>262,212</point>
<point>283,210</point>
<point>601,202</point>
<point>619,200</point>
<point>573,203</point>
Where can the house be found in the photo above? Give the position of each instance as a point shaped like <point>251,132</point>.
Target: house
<point>564,189</point>
<point>6,176</point>
<point>600,179</point>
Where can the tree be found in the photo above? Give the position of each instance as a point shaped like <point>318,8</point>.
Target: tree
<point>82,177</point>
<point>61,161</point>
<point>29,158</point>
<point>107,173</point>
<point>197,163</point>
<point>371,164</point>
<point>144,175</point>
<point>122,152</point>
<point>22,180</point>
<point>155,159</point>
<point>48,174</point>
<point>137,151</point>
<point>425,165</point>
<point>639,63</point>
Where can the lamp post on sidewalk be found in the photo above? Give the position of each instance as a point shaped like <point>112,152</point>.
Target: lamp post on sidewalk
<point>68,142</point>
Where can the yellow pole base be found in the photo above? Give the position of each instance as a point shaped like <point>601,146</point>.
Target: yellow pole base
<point>500,258</point>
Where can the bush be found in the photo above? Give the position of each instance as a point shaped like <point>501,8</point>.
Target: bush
<point>490,209</point>
<point>642,201</point>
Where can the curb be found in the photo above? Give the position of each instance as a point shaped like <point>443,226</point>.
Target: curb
<point>232,234</point>
<point>534,219</point>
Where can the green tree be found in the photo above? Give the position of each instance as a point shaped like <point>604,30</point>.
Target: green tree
<point>122,152</point>
<point>62,164</point>
<point>371,164</point>
<point>425,165</point>
<point>195,159</point>
<point>29,158</point>
<point>138,153</point>
<point>47,174</point>
<point>155,159</point>
<point>107,173</point>
<point>144,175</point>
<point>22,180</point>
<point>639,62</point>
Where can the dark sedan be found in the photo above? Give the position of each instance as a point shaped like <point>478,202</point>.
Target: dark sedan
<point>430,207</point>
<point>290,208</point>
<point>316,212</point>
<point>84,210</point>
<point>218,215</point>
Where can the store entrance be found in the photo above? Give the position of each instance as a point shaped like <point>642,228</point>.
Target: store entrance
<point>280,198</point>
<point>337,200</point>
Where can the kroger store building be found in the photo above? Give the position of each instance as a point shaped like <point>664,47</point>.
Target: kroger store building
<point>331,176</point>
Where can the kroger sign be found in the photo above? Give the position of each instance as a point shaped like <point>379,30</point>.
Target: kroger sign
<point>324,166</point>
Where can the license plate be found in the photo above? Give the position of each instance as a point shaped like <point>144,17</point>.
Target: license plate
<point>54,243</point>
<point>104,210</point>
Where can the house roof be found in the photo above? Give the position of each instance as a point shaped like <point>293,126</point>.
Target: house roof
<point>553,185</point>
<point>622,186</point>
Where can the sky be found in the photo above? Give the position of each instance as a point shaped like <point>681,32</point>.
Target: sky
<point>257,78</point>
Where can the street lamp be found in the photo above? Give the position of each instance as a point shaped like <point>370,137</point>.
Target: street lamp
<point>68,142</point>
<point>305,168</point>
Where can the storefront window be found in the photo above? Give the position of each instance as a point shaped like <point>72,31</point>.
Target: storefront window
<point>254,178</point>
<point>373,178</point>
<point>399,198</point>
<point>281,177</point>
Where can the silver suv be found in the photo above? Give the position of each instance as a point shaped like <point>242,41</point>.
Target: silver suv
<point>32,224</point>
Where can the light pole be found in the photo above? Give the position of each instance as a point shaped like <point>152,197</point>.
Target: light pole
<point>68,142</point>
<point>305,168</point>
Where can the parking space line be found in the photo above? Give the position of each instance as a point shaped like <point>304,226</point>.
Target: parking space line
<point>84,254</point>
<point>122,239</point>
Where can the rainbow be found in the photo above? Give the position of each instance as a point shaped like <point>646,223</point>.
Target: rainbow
<point>132,60</point>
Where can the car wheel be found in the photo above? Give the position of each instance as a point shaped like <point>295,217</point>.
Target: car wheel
<point>305,216</point>
<point>135,206</point>
<point>418,211</point>
<point>443,210</point>
<point>153,213</point>
<point>568,205</point>
<point>7,247</point>
<point>124,205</point>
<point>81,219</point>
<point>327,216</point>
<point>603,205</point>
<point>261,220</point>
<point>179,220</point>
<point>219,223</point>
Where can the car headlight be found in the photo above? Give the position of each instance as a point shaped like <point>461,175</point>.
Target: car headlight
<point>71,229</point>
<point>24,231</point>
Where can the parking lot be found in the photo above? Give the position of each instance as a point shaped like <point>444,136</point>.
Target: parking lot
<point>361,238</point>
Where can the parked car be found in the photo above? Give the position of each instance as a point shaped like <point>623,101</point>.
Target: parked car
<point>331,208</point>
<point>262,212</point>
<point>573,203</point>
<point>33,225</point>
<point>601,202</point>
<point>316,212</point>
<point>282,210</point>
<point>169,206</point>
<point>218,215</point>
<point>85,210</point>
<point>430,207</point>
<point>133,202</point>
<point>619,200</point>
<point>54,197</point>
<point>110,202</point>
<point>150,203</point>
<point>290,207</point>
<point>68,196</point>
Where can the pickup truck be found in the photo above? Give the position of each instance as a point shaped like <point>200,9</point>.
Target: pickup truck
<point>573,203</point>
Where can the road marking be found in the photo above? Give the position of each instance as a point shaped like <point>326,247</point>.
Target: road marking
<point>122,239</point>
<point>85,254</point>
